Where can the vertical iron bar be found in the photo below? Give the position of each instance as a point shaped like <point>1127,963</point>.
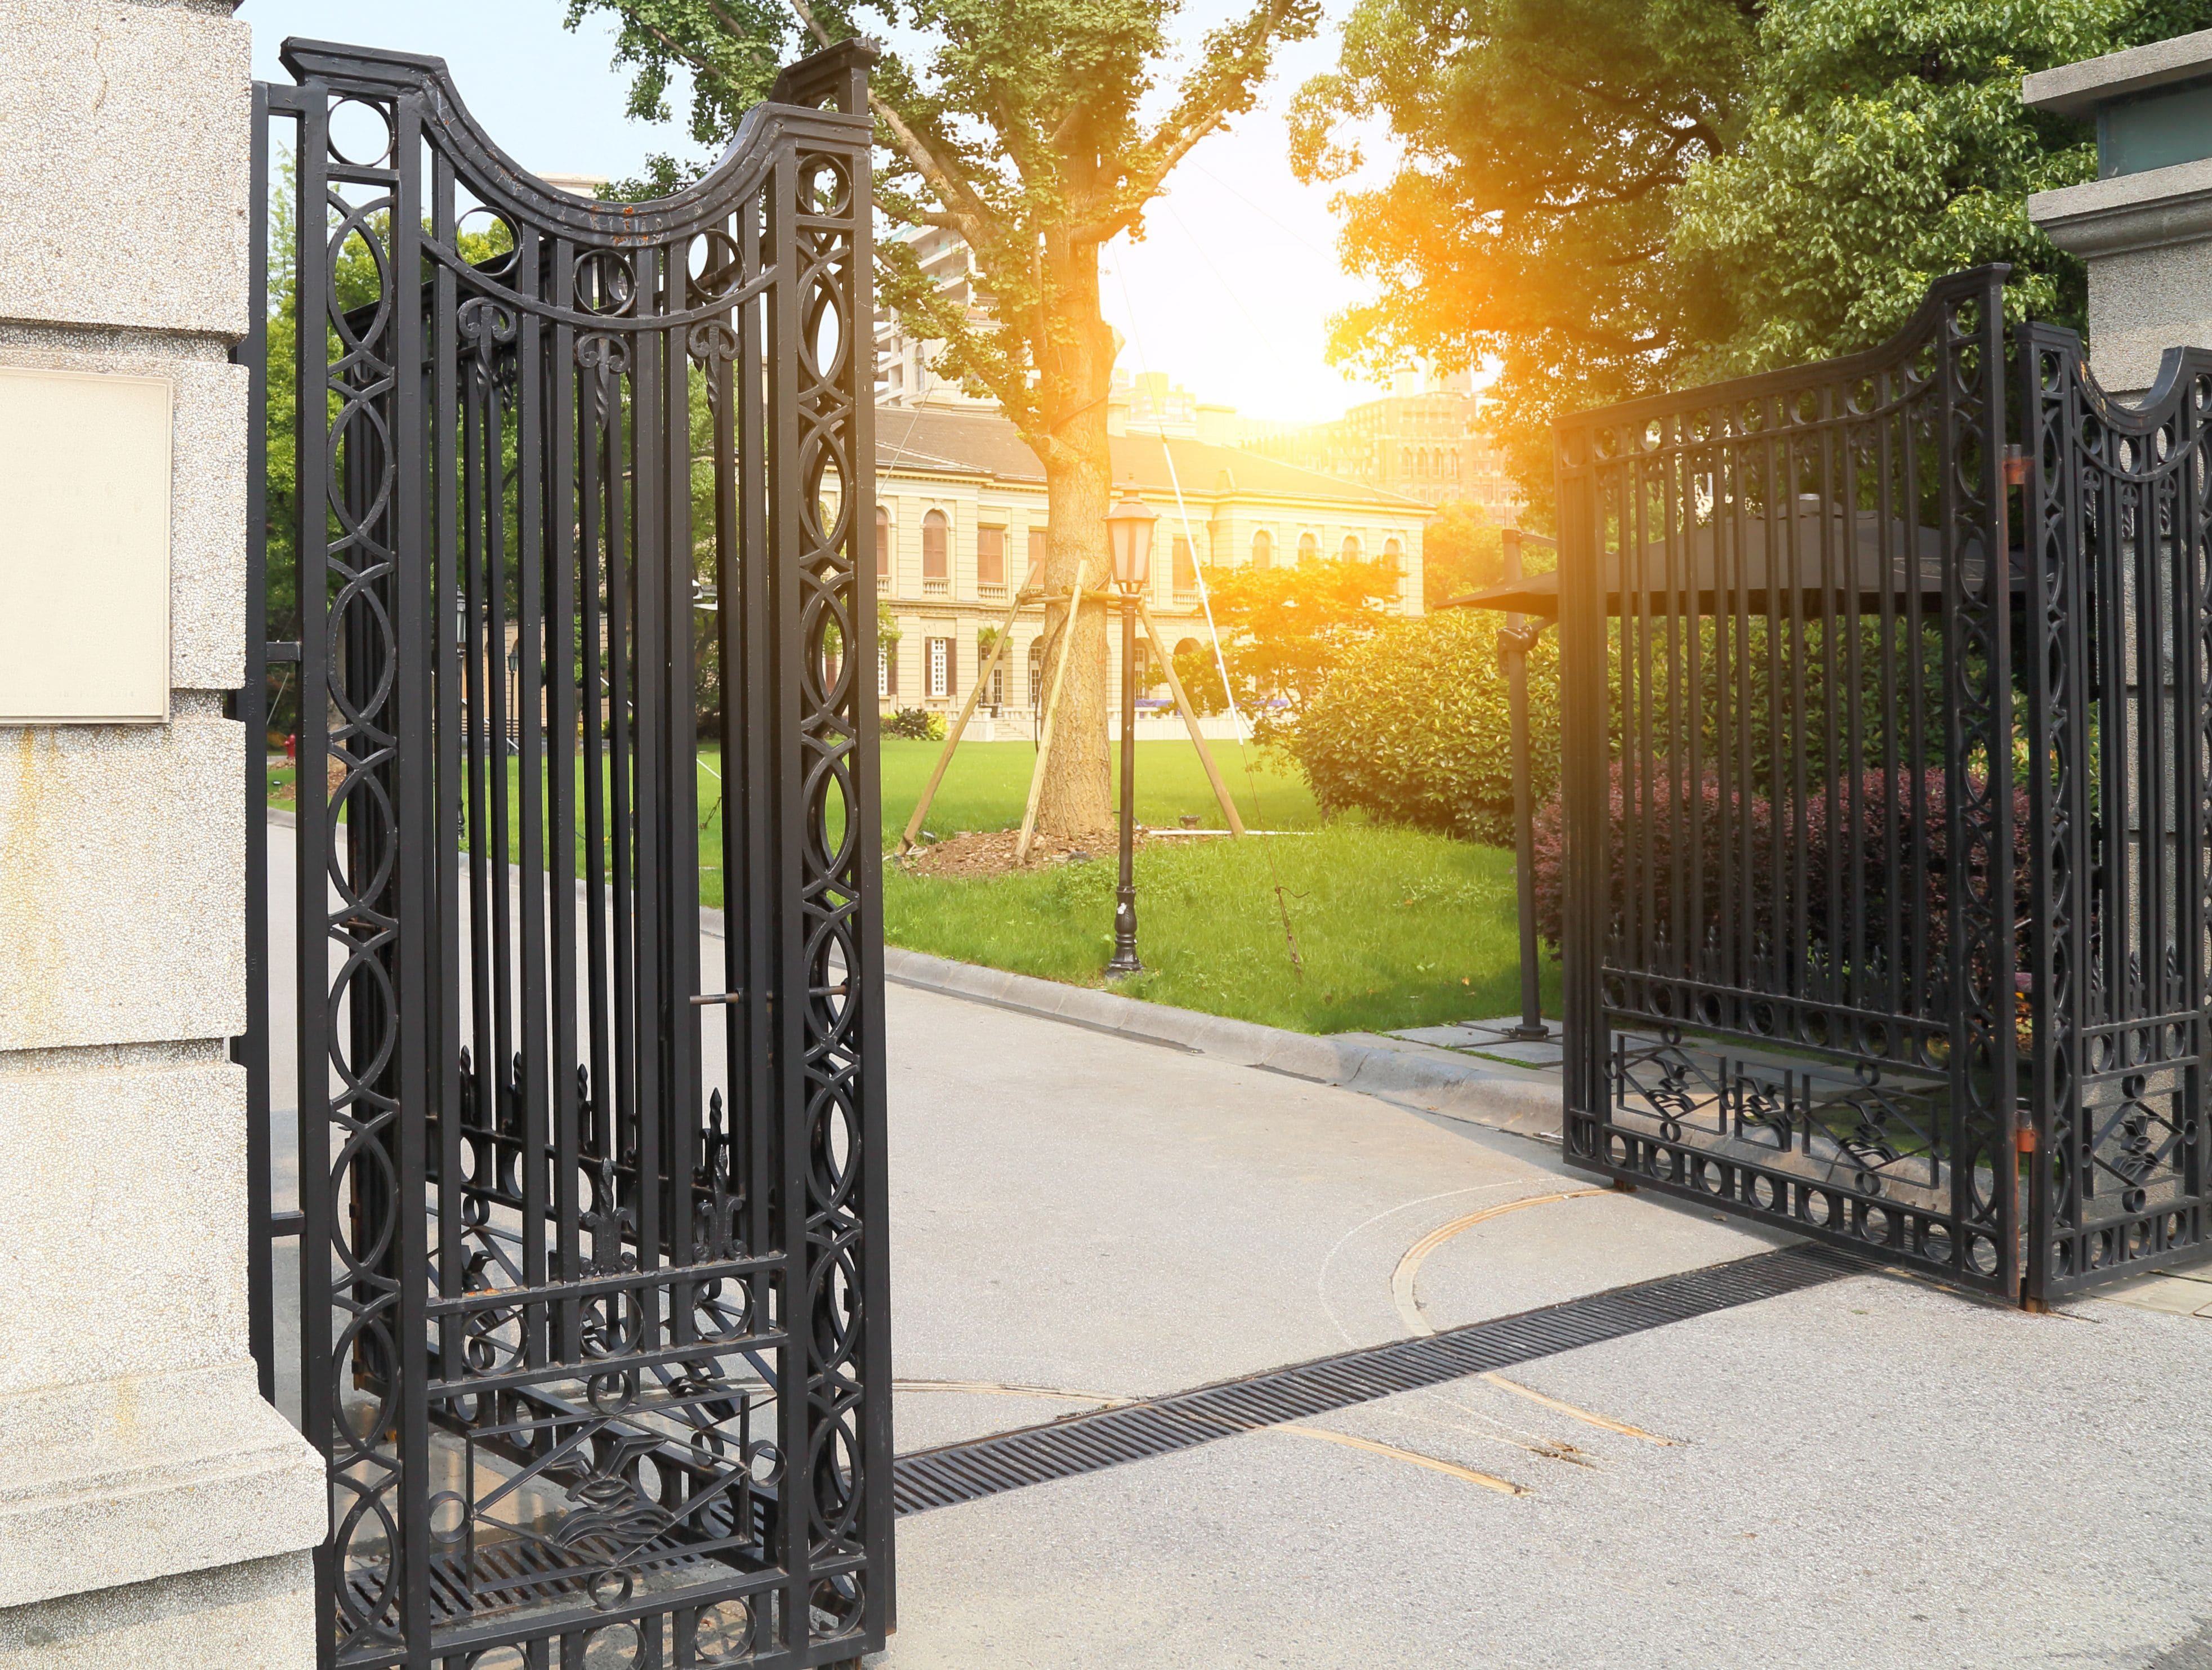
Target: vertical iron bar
<point>618,1102</point>
<point>561,488</point>
<point>652,584</point>
<point>418,845</point>
<point>752,1083</point>
<point>683,1097</point>
<point>498,1072</point>
<point>447,632</point>
<point>784,768</point>
<point>312,856</point>
<point>598,388</point>
<point>530,562</point>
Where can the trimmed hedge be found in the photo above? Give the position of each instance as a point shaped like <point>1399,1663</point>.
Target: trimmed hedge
<point>1412,726</point>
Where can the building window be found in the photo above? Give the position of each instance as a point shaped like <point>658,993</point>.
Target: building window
<point>1037,672</point>
<point>936,575</point>
<point>1394,559</point>
<point>1351,549</point>
<point>883,549</point>
<point>1037,556</point>
<point>1309,548</point>
<point>998,692</point>
<point>886,679</point>
<point>1186,571</point>
<point>940,667</point>
<point>991,560</point>
<point>1263,551</point>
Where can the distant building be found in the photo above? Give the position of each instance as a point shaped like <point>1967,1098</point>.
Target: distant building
<point>961,515</point>
<point>1423,439</point>
<point>906,365</point>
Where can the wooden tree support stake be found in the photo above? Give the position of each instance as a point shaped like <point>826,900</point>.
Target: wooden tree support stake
<point>1190,721</point>
<point>1044,739</point>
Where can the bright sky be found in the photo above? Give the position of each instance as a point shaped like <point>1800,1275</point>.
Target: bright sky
<point>1230,292</point>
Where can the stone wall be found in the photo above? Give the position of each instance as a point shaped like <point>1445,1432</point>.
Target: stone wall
<point>153,1508</point>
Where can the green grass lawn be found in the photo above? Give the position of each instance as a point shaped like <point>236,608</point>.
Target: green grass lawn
<point>1390,927</point>
<point>1344,926</point>
<point>988,783</point>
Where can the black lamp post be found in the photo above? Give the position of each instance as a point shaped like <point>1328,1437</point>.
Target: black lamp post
<point>1130,529</point>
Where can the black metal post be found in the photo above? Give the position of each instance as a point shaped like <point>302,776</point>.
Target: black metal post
<point>1125,898</point>
<point>1514,648</point>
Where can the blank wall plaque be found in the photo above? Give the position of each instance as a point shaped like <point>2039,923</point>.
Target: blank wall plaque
<point>84,548</point>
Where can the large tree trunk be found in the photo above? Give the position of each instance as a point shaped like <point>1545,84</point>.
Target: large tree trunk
<point>1076,799</point>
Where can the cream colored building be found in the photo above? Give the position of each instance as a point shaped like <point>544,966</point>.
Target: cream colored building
<point>961,514</point>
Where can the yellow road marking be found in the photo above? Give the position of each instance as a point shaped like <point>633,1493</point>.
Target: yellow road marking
<point>1412,1457</point>
<point>1605,1421</point>
<point>1409,1307</point>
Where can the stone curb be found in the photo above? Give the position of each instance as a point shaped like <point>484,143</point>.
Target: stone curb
<point>1420,1076</point>
<point>1413,1075</point>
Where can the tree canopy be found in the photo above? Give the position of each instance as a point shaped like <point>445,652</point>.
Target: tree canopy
<point>1037,131</point>
<point>1879,146</point>
<point>1617,196</point>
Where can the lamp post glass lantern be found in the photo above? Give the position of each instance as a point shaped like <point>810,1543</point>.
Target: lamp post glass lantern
<point>1129,530</point>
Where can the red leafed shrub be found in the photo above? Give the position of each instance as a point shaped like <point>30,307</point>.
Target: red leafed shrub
<point>1875,878</point>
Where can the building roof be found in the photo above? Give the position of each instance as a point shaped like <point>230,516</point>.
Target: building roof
<point>939,442</point>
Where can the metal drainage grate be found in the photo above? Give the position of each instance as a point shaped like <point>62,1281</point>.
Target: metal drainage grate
<point>1158,1426</point>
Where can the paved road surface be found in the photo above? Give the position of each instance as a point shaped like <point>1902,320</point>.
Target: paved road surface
<point>1869,1474</point>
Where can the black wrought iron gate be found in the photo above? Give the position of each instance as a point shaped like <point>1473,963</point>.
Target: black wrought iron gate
<point>1887,792</point>
<point>2118,628</point>
<point>593,1289</point>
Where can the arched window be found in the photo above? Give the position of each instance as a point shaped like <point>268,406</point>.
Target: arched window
<point>1394,559</point>
<point>933,530</point>
<point>1263,550</point>
<point>1309,548</point>
<point>1350,549</point>
<point>883,549</point>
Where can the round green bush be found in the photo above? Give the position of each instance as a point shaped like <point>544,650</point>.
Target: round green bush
<point>1413,727</point>
<point>918,724</point>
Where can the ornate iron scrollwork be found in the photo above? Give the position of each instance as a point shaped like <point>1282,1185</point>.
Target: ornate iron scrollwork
<point>593,1343</point>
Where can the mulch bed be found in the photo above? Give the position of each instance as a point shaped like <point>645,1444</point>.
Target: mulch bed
<point>984,853</point>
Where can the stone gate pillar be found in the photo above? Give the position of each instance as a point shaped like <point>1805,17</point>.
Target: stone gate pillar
<point>2144,225</point>
<point>153,1510</point>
